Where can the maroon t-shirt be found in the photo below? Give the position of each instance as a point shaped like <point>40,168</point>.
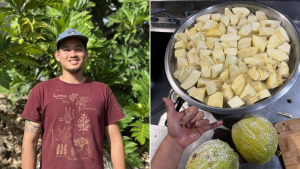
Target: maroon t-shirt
<point>73,118</point>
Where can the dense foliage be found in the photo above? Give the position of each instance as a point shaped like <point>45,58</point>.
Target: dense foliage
<point>118,57</point>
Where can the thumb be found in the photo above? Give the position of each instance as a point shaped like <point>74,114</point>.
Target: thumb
<point>170,106</point>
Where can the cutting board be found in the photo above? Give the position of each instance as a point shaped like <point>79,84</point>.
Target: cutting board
<point>288,133</point>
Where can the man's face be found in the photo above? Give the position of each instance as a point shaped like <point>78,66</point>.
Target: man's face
<point>71,55</point>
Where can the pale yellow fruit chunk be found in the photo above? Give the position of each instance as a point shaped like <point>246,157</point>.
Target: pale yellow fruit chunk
<point>193,58</point>
<point>247,52</point>
<point>235,102</point>
<point>180,45</point>
<point>181,36</point>
<point>181,62</point>
<point>238,84</point>
<point>282,34</point>
<point>191,80</point>
<point>259,42</point>
<point>227,12</point>
<point>203,18</point>
<point>198,26</point>
<point>218,56</point>
<point>225,20</point>
<point>203,80</point>
<point>266,31</point>
<point>230,37</point>
<point>259,96</point>
<point>216,70</point>
<point>227,92</point>
<point>244,43</point>
<point>273,42</point>
<point>278,55</point>
<point>234,19</point>
<point>255,26</point>
<point>198,94</point>
<point>260,16</point>
<point>185,71</point>
<point>241,11</point>
<point>213,32</point>
<point>180,53</point>
<point>216,100</point>
<point>216,17</point>
<point>258,86</point>
<point>208,24</point>
<point>285,47</point>
<point>206,71</point>
<point>230,51</point>
<point>270,23</point>
<point>247,93</point>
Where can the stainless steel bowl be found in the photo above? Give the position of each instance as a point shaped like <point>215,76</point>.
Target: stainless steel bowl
<point>286,23</point>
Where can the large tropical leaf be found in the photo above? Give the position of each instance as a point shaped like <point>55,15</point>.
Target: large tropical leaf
<point>140,131</point>
<point>26,48</point>
<point>4,78</point>
<point>35,3</point>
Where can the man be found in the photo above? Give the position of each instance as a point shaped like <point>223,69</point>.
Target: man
<point>183,129</point>
<point>73,113</point>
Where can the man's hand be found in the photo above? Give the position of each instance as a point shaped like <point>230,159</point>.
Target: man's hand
<point>183,129</point>
<point>187,126</point>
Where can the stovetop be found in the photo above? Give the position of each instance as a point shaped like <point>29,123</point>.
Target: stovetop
<point>160,86</point>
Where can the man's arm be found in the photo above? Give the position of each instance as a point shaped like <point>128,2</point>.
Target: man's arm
<point>183,129</point>
<point>115,142</point>
<point>29,147</point>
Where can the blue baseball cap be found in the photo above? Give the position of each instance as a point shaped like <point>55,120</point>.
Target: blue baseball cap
<point>71,33</point>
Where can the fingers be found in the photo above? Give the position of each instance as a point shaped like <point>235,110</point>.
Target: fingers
<point>169,105</point>
<point>211,126</point>
<point>199,116</point>
<point>202,123</point>
<point>190,113</point>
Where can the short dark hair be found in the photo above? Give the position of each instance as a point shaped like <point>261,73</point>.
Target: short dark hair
<point>84,44</point>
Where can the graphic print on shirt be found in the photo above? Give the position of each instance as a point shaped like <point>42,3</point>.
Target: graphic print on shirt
<point>61,150</point>
<point>63,134</point>
<point>83,123</point>
<point>90,147</point>
<point>59,96</point>
<point>73,97</point>
<point>81,142</point>
<point>81,102</point>
<point>73,154</point>
<point>69,115</point>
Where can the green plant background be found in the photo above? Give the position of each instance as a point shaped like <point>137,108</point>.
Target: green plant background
<point>118,33</point>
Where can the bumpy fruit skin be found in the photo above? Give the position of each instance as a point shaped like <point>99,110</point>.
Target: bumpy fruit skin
<point>213,154</point>
<point>21,41</point>
<point>255,138</point>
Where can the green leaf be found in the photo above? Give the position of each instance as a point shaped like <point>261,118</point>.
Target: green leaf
<point>6,9</point>
<point>35,3</point>
<point>123,123</point>
<point>4,78</point>
<point>129,147</point>
<point>19,3</point>
<point>26,48</point>
<point>140,131</point>
<point>133,160</point>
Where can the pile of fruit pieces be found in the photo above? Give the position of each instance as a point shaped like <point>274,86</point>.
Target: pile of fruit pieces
<point>237,56</point>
